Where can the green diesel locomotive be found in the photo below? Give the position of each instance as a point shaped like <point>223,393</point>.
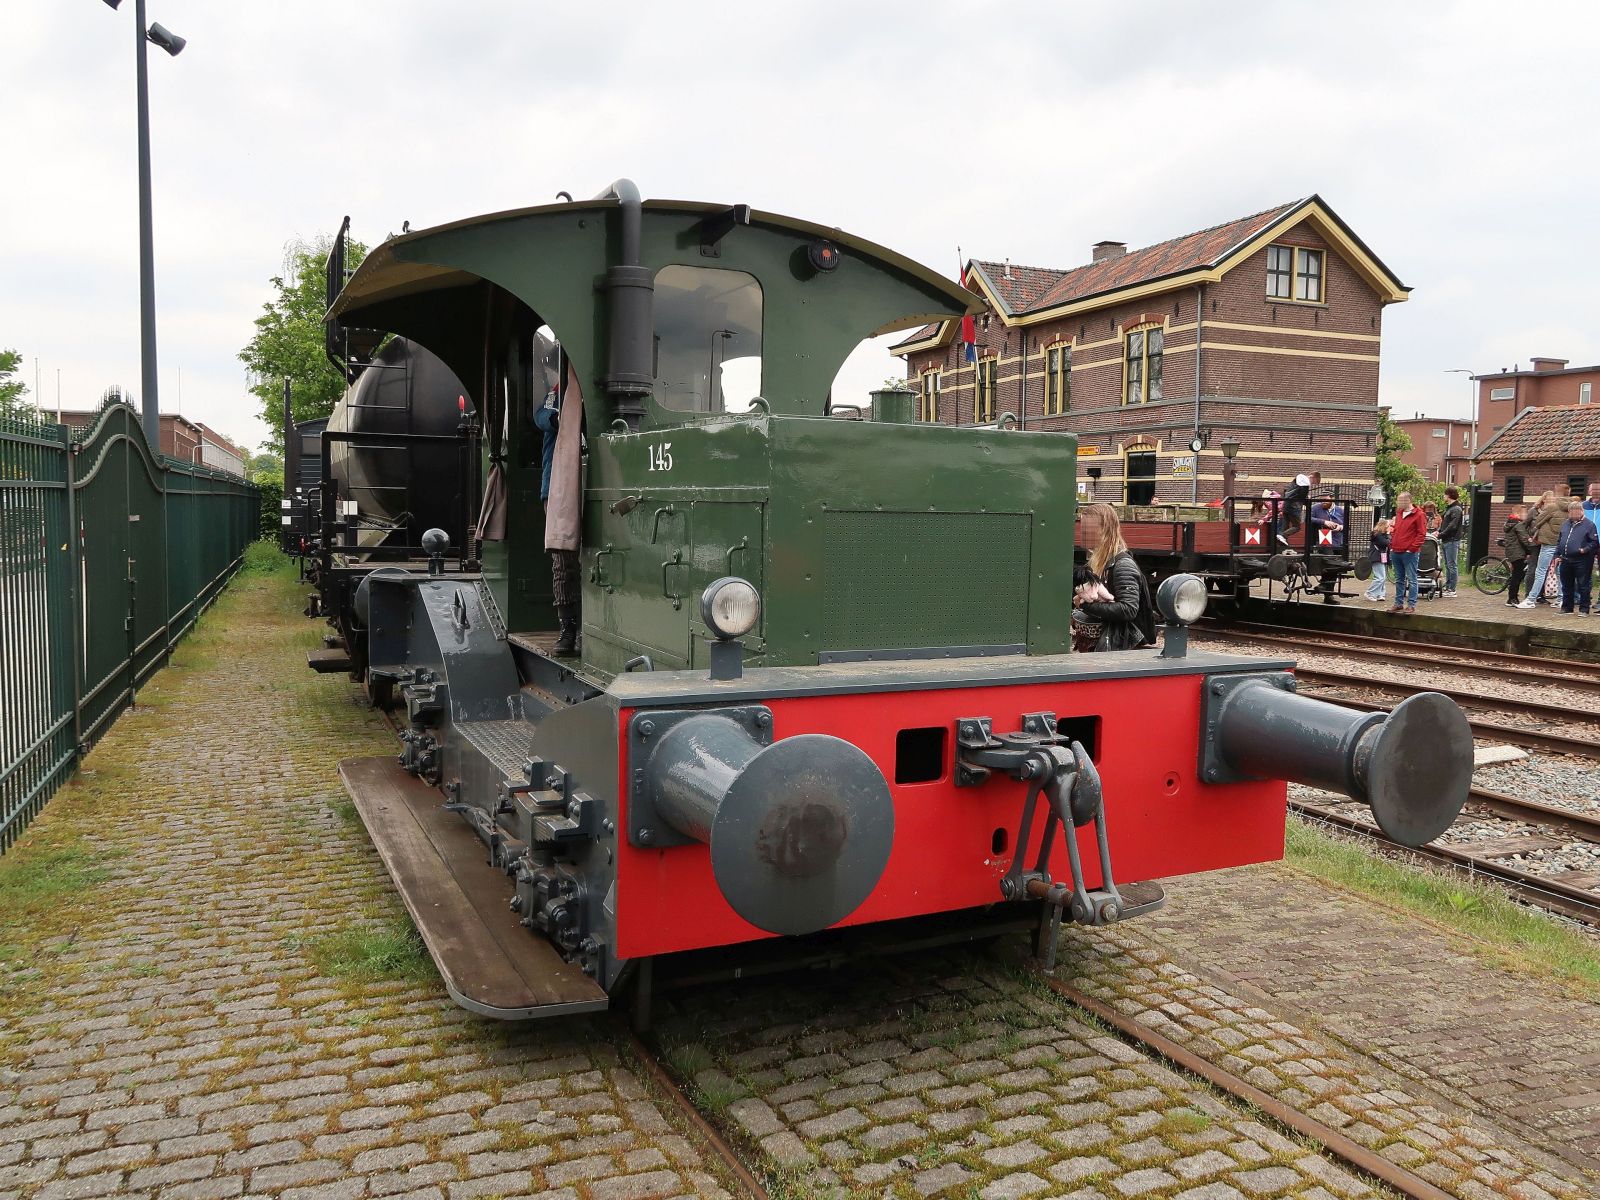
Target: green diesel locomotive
<point>822,680</point>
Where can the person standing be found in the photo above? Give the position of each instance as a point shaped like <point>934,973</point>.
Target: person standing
<point>1514,538</point>
<point>1406,534</point>
<point>1450,538</point>
<point>1576,547</point>
<point>560,420</point>
<point>1378,554</point>
<point>1327,524</point>
<point>1544,529</point>
<point>1127,620</point>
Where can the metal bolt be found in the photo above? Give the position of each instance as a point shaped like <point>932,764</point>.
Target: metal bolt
<point>1211,774</point>
<point>572,810</point>
<point>763,719</point>
<point>646,728</point>
<point>1217,689</point>
<point>646,836</point>
<point>608,825</point>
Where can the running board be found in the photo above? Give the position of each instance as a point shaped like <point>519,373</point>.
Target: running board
<point>329,661</point>
<point>460,904</point>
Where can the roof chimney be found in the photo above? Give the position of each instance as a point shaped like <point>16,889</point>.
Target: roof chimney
<point>1105,250</point>
<point>1548,364</point>
<point>1008,268</point>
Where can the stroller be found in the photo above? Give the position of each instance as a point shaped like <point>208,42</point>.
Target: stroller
<point>1430,562</point>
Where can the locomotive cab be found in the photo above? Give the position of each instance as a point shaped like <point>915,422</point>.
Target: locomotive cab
<point>877,725</point>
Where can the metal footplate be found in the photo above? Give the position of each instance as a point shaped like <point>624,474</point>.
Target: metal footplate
<point>1056,767</point>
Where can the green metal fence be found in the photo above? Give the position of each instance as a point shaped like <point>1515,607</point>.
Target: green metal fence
<point>108,554</point>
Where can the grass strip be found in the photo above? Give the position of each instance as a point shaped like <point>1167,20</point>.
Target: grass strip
<point>1504,932</point>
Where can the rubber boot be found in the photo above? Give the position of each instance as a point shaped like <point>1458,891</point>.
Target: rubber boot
<point>567,641</point>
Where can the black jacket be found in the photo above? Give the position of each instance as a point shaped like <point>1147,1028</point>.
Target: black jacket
<point>1119,616</point>
<point>1450,523</point>
<point>1516,541</point>
<point>1378,548</point>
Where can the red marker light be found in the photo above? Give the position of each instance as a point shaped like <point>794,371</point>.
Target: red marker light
<point>461,403</point>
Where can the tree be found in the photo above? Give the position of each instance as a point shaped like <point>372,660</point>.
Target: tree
<point>1394,475</point>
<point>258,468</point>
<point>12,390</point>
<point>289,340</point>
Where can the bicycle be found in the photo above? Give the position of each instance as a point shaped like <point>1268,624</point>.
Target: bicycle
<point>1491,574</point>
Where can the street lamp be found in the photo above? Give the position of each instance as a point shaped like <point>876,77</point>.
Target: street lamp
<point>1472,454</point>
<point>1230,451</point>
<point>173,45</point>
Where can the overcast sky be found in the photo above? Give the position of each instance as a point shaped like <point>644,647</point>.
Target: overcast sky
<point>1458,140</point>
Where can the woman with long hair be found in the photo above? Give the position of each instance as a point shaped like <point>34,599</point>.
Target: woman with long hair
<point>1111,564</point>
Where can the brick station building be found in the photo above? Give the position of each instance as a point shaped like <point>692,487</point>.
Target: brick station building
<point>1264,330</point>
<point>1548,448</point>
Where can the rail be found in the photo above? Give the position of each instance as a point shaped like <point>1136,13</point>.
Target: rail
<point>108,555</point>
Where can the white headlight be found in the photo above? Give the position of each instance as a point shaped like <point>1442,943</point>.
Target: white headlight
<point>1181,599</point>
<point>730,607</point>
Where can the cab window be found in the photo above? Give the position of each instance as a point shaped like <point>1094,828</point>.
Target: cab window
<point>707,339</point>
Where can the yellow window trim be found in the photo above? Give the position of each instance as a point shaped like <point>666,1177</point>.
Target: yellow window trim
<point>982,412</point>
<point>1146,328</point>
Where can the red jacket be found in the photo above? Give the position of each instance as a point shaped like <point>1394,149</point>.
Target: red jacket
<point>1408,530</point>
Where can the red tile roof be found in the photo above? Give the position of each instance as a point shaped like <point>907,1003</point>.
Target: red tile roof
<point>1033,288</point>
<point>1561,432</point>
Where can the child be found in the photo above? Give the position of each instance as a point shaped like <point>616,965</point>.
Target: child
<point>1378,552</point>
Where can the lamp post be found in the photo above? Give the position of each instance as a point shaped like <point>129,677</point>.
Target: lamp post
<point>173,45</point>
<point>1230,452</point>
<point>1472,454</point>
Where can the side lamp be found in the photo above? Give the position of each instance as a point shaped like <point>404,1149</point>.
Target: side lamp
<point>730,607</point>
<point>1181,601</point>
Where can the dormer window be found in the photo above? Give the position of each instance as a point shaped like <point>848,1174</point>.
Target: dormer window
<point>1294,273</point>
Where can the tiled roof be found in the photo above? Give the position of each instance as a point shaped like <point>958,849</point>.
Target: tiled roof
<point>1566,431</point>
<point>1033,288</point>
<point>1025,287</point>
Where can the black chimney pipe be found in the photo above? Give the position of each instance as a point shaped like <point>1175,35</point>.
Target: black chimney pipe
<point>630,289</point>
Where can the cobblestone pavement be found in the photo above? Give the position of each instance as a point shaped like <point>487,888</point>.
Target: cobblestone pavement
<point>165,1032</point>
<point>166,1028</point>
<point>1411,995</point>
<point>960,1076</point>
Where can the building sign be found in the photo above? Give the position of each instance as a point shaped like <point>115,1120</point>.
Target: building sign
<point>1183,466</point>
<point>1082,450</point>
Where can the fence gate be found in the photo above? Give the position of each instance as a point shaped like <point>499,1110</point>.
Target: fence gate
<point>108,553</point>
<point>38,742</point>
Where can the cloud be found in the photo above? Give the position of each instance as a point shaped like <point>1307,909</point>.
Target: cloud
<point>1027,131</point>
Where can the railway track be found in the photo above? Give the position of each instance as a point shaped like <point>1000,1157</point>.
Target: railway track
<point>1337,1145</point>
<point>1569,673</point>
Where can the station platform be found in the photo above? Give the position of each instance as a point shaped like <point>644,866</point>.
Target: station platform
<point>209,988</point>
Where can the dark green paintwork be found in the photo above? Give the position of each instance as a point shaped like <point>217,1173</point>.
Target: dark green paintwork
<point>966,536</point>
<point>859,534</point>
